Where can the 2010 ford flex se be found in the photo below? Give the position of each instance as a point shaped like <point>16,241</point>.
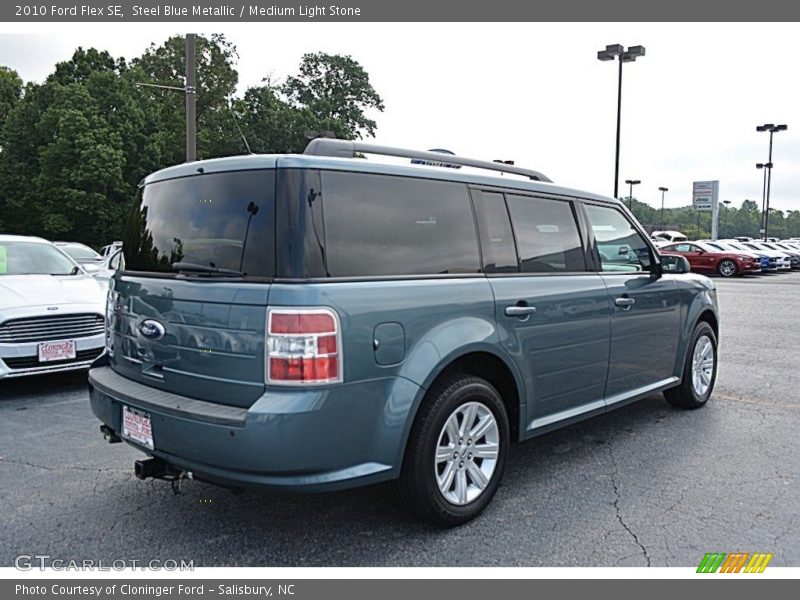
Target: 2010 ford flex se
<point>318,321</point>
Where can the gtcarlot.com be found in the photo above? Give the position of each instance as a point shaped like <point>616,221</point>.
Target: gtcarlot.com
<point>28,562</point>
